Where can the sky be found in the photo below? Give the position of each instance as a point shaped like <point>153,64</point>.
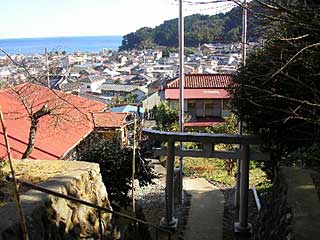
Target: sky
<point>52,18</point>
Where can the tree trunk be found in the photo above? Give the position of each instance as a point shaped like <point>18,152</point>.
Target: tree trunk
<point>33,129</point>
<point>32,138</point>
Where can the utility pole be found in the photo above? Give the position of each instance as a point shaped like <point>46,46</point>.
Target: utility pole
<point>133,167</point>
<point>47,67</point>
<point>181,99</point>
<point>244,55</point>
<point>244,31</point>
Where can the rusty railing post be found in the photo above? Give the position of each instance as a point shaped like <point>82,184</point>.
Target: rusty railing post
<point>169,221</point>
<point>237,190</point>
<point>243,226</point>
<point>100,224</point>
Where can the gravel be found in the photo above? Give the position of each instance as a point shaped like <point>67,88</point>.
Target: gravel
<point>230,215</point>
<point>152,201</point>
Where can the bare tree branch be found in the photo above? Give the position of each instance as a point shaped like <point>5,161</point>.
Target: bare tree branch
<point>291,59</point>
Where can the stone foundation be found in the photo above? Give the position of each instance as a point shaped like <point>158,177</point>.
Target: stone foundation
<point>49,217</point>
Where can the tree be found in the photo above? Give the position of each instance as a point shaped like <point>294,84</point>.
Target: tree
<point>46,110</point>
<point>198,29</point>
<point>116,167</point>
<point>229,126</point>
<point>166,117</point>
<point>277,92</point>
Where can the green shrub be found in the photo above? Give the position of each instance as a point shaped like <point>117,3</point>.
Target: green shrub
<point>229,126</point>
<point>305,156</point>
<point>166,117</point>
<point>116,167</point>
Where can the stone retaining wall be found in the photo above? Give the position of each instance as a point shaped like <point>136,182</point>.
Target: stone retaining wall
<point>292,210</point>
<point>49,217</point>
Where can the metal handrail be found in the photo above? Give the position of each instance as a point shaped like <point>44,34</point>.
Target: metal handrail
<point>99,208</point>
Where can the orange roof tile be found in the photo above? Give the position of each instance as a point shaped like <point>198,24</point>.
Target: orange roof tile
<point>202,81</point>
<point>109,119</point>
<point>57,133</point>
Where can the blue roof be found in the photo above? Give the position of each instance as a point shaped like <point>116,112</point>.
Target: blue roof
<point>128,108</point>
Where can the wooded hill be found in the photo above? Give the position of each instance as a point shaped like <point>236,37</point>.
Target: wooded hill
<point>199,29</point>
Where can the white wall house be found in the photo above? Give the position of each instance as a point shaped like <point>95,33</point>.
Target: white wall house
<point>91,84</point>
<point>121,90</point>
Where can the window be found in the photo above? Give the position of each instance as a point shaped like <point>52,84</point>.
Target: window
<point>200,108</point>
<point>191,106</point>
<point>212,108</point>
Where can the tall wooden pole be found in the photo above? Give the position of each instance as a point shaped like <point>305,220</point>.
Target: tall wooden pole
<point>244,32</point>
<point>181,87</point>
<point>244,55</point>
<point>23,224</point>
<point>133,167</point>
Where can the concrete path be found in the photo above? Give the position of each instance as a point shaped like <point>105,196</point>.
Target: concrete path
<point>206,207</point>
<point>206,210</point>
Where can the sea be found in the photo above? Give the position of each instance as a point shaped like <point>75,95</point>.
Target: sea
<point>32,46</point>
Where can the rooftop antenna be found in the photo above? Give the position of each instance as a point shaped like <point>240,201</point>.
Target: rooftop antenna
<point>47,67</point>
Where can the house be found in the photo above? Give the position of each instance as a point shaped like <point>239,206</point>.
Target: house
<point>140,79</point>
<point>91,83</point>
<point>111,126</point>
<point>152,100</point>
<point>139,111</point>
<point>87,71</point>
<point>122,60</point>
<point>57,134</point>
<point>208,49</point>
<point>121,90</point>
<point>155,94</point>
<point>108,72</point>
<point>205,98</point>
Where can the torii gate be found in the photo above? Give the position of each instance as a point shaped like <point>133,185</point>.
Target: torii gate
<point>208,141</point>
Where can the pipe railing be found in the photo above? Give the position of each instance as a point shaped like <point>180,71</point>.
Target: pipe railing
<point>244,154</point>
<point>97,207</point>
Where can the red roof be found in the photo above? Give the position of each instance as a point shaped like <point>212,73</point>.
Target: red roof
<point>56,134</point>
<point>208,122</point>
<point>197,94</point>
<point>202,81</point>
<point>110,119</point>
<point>200,86</point>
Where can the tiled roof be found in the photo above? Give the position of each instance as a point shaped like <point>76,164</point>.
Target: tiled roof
<point>119,87</point>
<point>56,134</point>
<point>92,78</point>
<point>202,81</point>
<point>109,119</point>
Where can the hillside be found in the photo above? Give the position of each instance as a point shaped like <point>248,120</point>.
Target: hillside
<point>199,29</point>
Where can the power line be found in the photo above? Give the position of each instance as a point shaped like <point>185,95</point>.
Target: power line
<point>216,5</point>
<point>222,8</point>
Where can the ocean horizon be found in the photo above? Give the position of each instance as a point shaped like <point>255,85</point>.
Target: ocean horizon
<point>31,46</point>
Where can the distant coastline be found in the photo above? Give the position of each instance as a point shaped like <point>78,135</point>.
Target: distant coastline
<point>31,46</point>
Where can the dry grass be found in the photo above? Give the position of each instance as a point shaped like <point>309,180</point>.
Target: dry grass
<point>213,169</point>
<point>34,171</point>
